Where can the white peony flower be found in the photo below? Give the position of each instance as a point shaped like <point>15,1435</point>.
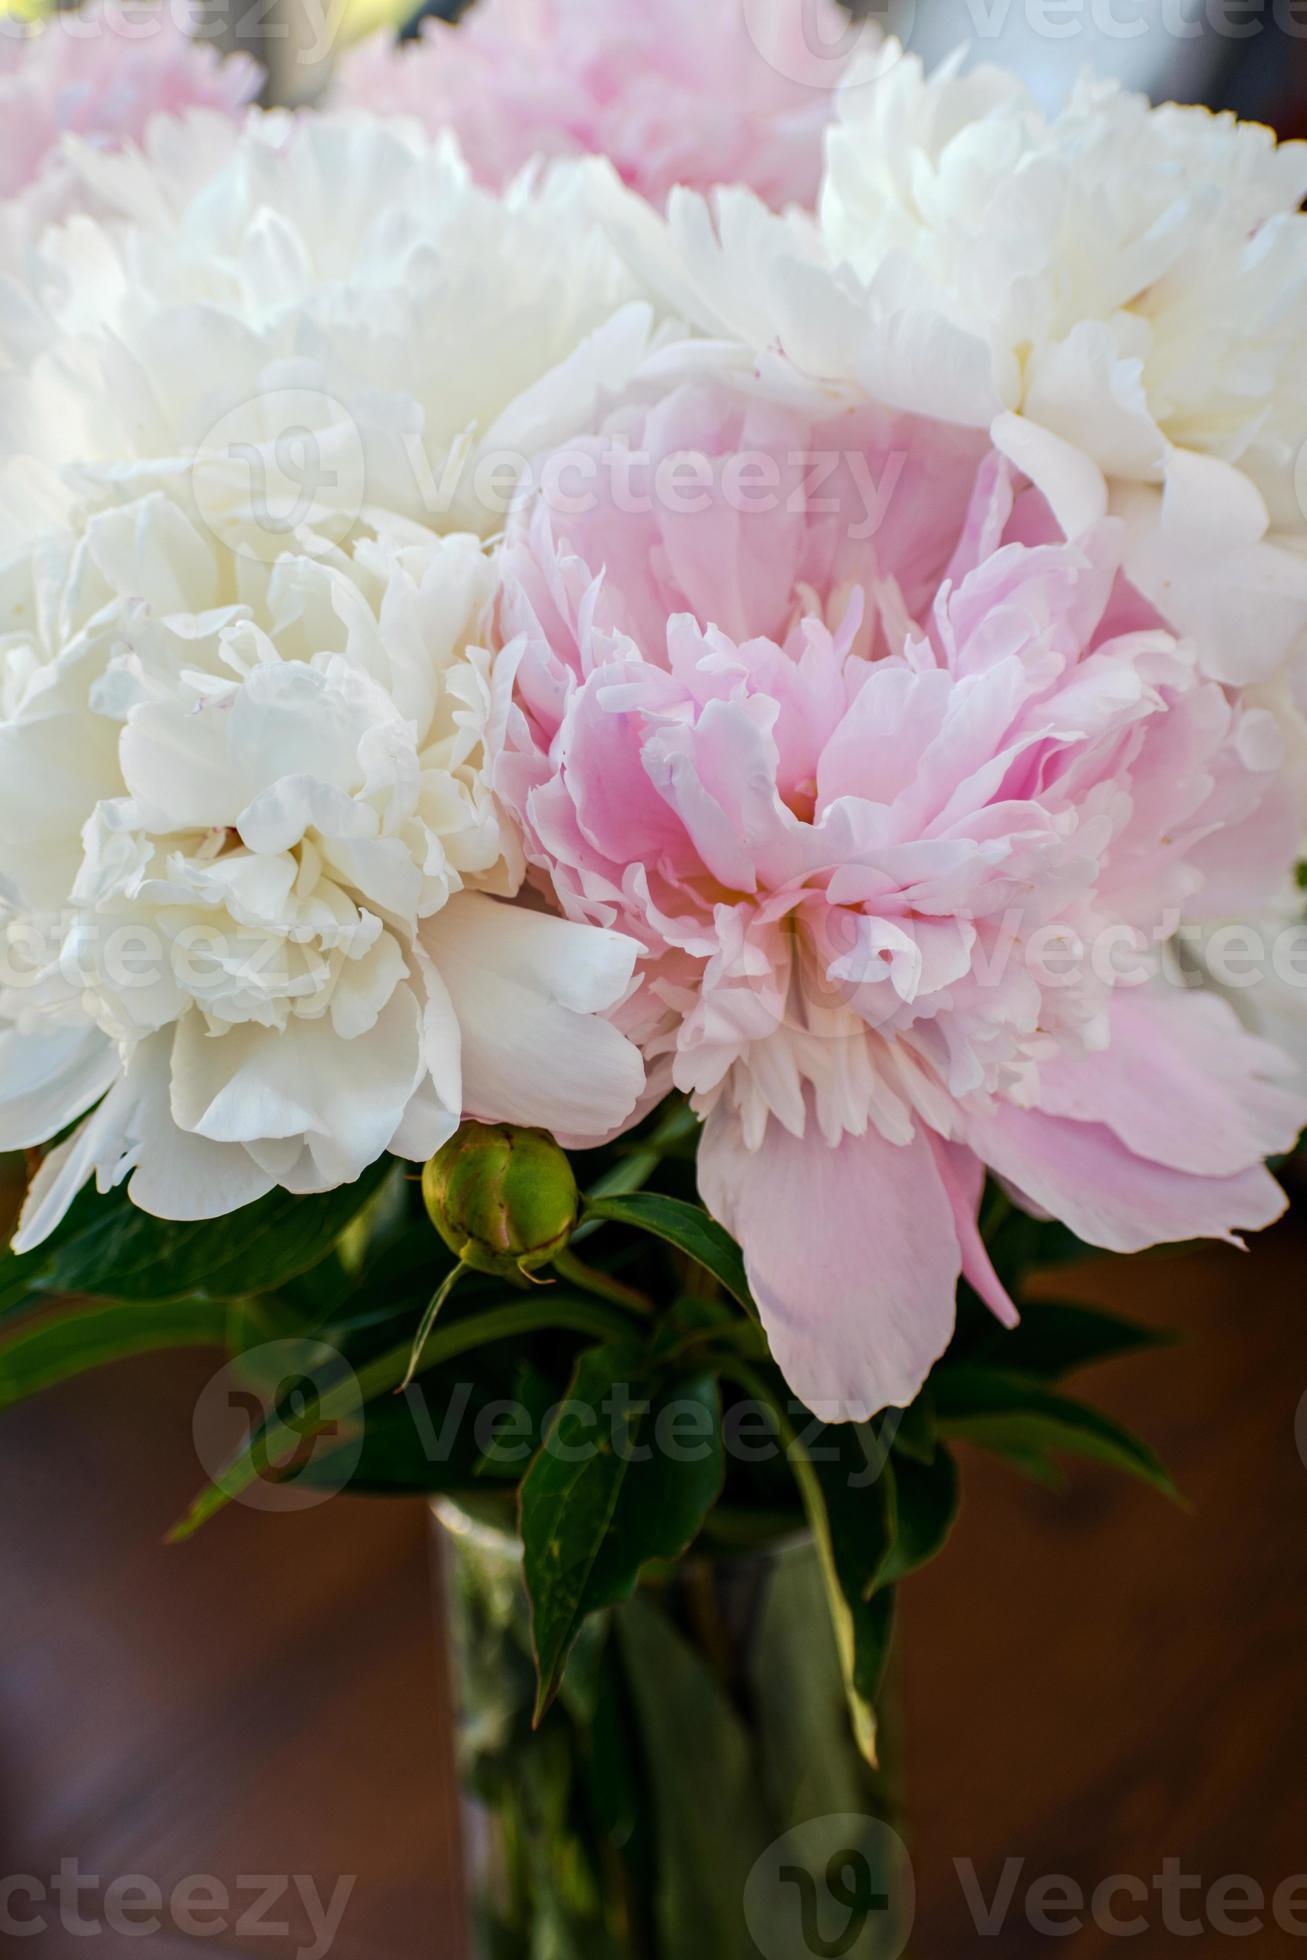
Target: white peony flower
<point>1119,296</point>
<point>1140,273</point>
<point>330,254</point>
<point>1140,278</point>
<point>769,303</point>
<point>252,873</point>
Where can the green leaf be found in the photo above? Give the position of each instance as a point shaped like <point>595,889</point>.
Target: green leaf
<point>1055,1339</point>
<point>22,1274</point>
<point>109,1248</point>
<point>915,1434</point>
<point>797,1703</point>
<point>612,1489</point>
<point>260,1318</point>
<point>1017,1417</point>
<point>616,1782</point>
<point>675,1131</point>
<point>857,1488</point>
<point>689,1228</point>
<point>20,1283</point>
<point>72,1343</point>
<point>712,1820</point>
<point>447,1433</point>
<point>847,1493</point>
<point>925,1511</point>
<point>123,1253</point>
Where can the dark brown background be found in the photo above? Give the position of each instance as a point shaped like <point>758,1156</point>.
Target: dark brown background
<point>1094,1680</point>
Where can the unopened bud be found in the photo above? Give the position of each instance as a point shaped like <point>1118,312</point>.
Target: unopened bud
<point>504,1200</point>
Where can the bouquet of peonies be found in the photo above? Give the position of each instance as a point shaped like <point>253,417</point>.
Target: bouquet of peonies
<point>698,632</point>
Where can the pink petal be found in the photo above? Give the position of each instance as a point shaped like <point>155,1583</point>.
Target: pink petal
<point>1183,1084</point>
<point>1082,1174</point>
<point>852,1255</point>
<point>963,1177</point>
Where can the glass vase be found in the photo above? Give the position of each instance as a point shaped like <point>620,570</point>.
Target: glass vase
<point>695,1792</point>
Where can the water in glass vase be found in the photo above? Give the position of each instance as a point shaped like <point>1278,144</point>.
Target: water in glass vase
<point>695,1792</point>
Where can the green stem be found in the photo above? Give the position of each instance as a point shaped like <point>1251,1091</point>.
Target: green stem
<point>591,1280</point>
<point>500,1324</point>
<point>746,1334</point>
<point>640,1160</point>
<point>436,1302</point>
<point>345,1396</point>
<point>814,1504</point>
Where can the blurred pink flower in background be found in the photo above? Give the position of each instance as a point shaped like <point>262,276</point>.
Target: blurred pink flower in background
<point>895,785</point>
<point>696,92</point>
<point>102,74</point>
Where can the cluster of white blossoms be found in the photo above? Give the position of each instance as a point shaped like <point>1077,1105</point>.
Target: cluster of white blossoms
<point>253,868</point>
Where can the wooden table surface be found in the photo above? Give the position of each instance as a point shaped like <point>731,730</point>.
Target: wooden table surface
<point>1094,1681</point>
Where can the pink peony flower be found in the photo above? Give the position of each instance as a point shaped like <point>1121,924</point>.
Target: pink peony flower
<point>896,787</point>
<point>697,92</point>
<point>102,74</point>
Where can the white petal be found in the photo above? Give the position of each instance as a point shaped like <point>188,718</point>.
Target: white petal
<point>1072,482</point>
<point>48,1080</point>
<point>132,1134</point>
<point>1244,607</point>
<point>1087,392</point>
<point>426,1124</point>
<point>528,989</point>
<point>345,1097</point>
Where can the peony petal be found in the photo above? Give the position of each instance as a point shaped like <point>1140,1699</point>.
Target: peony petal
<point>1241,598</point>
<point>346,1097</point>
<point>1183,1084</point>
<point>1072,482</point>
<point>1092,397</point>
<point>852,1255</point>
<point>132,1133</point>
<point>528,990</point>
<point>963,1177</point>
<point>425,1126</point>
<point>48,1080</point>
<point>1082,1174</point>
<point>176,764</point>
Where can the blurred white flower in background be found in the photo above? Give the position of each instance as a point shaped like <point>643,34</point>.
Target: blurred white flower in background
<point>104,73</point>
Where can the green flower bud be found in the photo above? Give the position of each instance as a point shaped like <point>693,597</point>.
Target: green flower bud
<point>504,1200</point>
